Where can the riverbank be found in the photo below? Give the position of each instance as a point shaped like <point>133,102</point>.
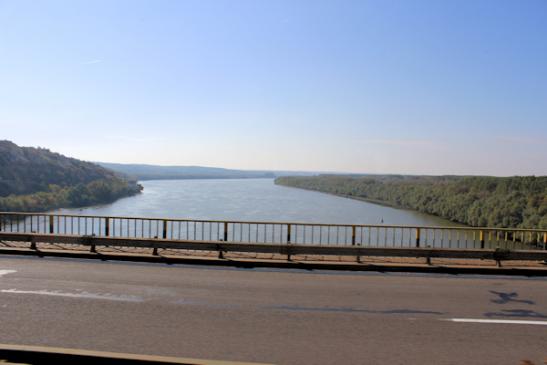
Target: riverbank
<point>104,191</point>
<point>375,202</point>
<point>475,201</point>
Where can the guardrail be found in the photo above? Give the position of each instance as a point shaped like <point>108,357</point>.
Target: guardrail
<point>277,233</point>
<point>283,249</point>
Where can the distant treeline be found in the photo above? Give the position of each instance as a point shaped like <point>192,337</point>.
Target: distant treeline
<point>36,179</point>
<point>471,200</point>
<point>155,172</point>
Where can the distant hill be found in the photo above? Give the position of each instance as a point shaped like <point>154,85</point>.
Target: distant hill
<point>38,179</point>
<point>518,201</point>
<point>155,172</point>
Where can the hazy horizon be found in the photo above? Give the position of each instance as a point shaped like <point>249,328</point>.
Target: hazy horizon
<point>308,171</point>
<point>421,88</point>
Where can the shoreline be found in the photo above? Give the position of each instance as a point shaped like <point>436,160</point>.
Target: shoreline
<point>138,188</point>
<point>375,202</point>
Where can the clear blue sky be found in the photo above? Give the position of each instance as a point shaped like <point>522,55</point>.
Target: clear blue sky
<point>432,87</point>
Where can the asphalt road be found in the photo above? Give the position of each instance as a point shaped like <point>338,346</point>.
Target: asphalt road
<point>275,316</point>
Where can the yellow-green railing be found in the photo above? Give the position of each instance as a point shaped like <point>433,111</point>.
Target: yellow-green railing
<point>320,234</point>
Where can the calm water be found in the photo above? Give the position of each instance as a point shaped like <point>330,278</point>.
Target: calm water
<point>251,199</point>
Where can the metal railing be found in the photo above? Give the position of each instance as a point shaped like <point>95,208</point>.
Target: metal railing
<point>343,235</point>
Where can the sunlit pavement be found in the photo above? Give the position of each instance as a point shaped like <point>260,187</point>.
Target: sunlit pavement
<point>284,317</point>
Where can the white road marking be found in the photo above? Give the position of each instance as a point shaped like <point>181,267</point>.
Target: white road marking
<point>82,295</point>
<point>502,321</point>
<point>5,272</point>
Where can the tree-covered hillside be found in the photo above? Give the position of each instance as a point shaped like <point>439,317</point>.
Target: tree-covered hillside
<point>36,179</point>
<point>472,200</point>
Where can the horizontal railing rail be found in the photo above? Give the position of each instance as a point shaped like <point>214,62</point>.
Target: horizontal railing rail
<point>259,232</point>
<point>456,227</point>
<point>289,250</point>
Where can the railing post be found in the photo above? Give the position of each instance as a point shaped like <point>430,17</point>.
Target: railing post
<point>360,243</point>
<point>107,227</point>
<point>164,233</point>
<point>288,233</point>
<point>225,239</point>
<point>288,242</point>
<point>353,235</point>
<point>417,237</point>
<point>545,240</point>
<point>51,225</point>
<point>481,236</point>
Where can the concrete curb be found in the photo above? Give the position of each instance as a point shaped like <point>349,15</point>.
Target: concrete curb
<point>55,355</point>
<point>279,264</point>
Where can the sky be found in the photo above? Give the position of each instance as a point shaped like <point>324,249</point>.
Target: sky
<point>407,87</point>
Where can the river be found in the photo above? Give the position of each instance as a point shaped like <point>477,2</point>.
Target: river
<point>251,199</point>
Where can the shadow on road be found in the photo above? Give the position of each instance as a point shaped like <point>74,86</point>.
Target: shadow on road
<point>505,298</point>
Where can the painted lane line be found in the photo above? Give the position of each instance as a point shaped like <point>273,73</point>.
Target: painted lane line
<point>498,321</point>
<point>82,295</point>
<point>5,272</point>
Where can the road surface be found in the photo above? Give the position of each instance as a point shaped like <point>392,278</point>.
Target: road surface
<point>275,316</point>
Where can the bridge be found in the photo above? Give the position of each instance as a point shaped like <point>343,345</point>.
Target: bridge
<point>270,316</point>
<point>286,238</point>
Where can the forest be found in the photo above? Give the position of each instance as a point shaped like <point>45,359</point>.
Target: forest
<point>36,179</point>
<point>480,201</point>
